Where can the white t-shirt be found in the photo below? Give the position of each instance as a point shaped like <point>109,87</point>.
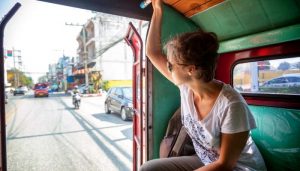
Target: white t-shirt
<point>229,114</point>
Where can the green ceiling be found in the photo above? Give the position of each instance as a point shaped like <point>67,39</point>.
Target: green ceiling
<point>238,18</point>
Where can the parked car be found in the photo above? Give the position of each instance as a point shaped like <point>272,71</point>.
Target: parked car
<point>41,89</point>
<point>287,80</point>
<point>82,88</point>
<point>119,99</point>
<point>54,88</point>
<point>19,90</point>
<point>24,88</point>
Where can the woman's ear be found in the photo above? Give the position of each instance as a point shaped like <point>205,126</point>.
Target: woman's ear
<point>191,69</point>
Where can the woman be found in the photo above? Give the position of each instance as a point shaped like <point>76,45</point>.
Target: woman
<point>215,116</point>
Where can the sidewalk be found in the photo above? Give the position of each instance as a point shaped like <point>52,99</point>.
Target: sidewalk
<point>84,95</point>
<point>91,95</point>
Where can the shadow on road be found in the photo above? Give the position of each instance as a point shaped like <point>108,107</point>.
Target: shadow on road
<point>87,126</point>
<point>113,118</point>
<point>116,119</point>
<point>127,133</point>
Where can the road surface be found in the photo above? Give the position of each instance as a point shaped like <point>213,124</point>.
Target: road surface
<point>48,134</point>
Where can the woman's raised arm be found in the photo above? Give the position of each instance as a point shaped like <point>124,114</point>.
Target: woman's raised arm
<point>153,45</point>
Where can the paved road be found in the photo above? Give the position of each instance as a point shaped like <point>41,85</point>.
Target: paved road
<point>48,134</point>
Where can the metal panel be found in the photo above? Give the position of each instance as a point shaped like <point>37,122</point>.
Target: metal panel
<point>139,147</point>
<point>127,8</point>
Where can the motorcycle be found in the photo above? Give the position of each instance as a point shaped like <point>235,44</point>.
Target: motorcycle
<point>76,100</point>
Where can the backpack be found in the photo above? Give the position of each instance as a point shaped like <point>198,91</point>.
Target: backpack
<point>176,141</point>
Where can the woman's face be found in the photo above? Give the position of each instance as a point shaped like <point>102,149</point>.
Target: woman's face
<point>179,71</point>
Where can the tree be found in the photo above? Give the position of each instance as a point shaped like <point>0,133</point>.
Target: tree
<point>284,66</point>
<point>96,79</point>
<point>105,85</point>
<point>23,79</point>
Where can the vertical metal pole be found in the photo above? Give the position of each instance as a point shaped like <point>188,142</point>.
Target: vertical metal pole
<point>254,76</point>
<point>19,67</point>
<point>3,22</point>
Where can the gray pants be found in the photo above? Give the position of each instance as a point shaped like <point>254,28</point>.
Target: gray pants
<point>182,163</point>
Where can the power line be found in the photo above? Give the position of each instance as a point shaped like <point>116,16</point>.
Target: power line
<point>27,72</point>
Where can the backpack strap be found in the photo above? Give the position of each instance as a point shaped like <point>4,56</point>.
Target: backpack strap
<point>172,132</point>
<point>180,141</point>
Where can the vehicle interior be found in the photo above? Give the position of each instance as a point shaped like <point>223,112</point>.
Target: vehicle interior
<point>247,31</point>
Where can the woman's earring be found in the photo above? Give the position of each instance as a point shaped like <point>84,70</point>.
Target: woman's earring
<point>190,74</point>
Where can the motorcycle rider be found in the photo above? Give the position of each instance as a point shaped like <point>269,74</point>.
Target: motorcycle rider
<point>75,92</point>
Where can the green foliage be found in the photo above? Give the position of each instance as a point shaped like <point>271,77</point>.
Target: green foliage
<point>284,66</point>
<point>92,90</point>
<point>105,85</point>
<point>23,79</point>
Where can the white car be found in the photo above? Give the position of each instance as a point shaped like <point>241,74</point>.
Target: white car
<point>25,89</point>
<point>287,80</point>
<point>9,89</point>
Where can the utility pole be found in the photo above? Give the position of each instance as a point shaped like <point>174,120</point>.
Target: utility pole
<point>19,66</point>
<point>84,53</point>
<point>15,77</point>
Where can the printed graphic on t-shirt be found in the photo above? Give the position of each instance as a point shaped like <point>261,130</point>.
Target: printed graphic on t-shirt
<point>200,140</point>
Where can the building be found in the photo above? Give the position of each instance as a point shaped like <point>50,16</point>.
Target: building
<point>101,46</point>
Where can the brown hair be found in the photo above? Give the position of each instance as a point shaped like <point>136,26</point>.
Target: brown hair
<point>196,48</point>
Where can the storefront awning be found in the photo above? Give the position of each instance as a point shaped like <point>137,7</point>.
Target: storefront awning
<point>80,71</point>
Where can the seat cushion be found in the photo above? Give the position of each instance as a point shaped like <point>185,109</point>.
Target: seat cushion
<point>278,136</point>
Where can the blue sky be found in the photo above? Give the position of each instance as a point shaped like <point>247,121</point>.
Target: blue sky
<point>38,29</point>
<point>5,5</point>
